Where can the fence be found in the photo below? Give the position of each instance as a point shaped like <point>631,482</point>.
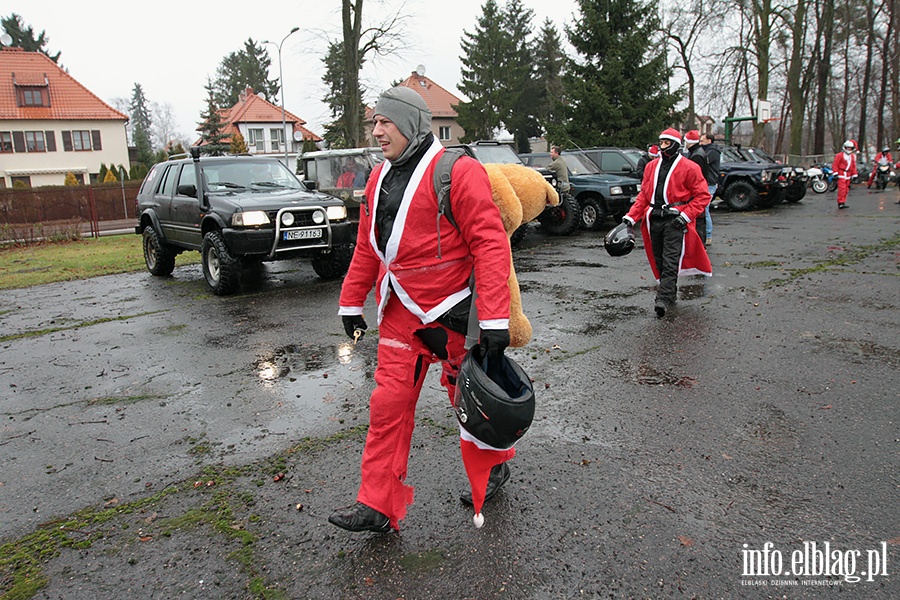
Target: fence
<point>84,208</point>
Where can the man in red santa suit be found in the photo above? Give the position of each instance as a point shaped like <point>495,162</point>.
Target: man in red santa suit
<point>673,194</point>
<point>844,167</point>
<point>420,265</point>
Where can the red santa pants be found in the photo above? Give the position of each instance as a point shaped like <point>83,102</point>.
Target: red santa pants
<point>843,190</point>
<point>403,360</point>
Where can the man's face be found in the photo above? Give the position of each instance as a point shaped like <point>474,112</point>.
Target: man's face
<point>390,139</point>
<point>553,153</point>
<point>663,144</point>
<point>705,141</point>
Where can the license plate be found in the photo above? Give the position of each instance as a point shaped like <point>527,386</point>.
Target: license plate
<point>302,234</point>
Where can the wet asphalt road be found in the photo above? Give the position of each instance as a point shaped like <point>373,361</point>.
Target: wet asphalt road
<point>764,409</point>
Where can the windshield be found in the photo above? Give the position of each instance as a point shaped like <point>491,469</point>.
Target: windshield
<point>729,154</point>
<point>760,155</point>
<point>500,153</point>
<point>344,171</point>
<point>249,174</point>
<point>580,165</point>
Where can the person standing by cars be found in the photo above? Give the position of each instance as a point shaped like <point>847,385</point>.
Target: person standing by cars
<point>673,194</point>
<point>560,169</point>
<point>714,161</point>
<point>697,153</point>
<point>844,167</point>
<point>652,152</point>
<point>420,265</point>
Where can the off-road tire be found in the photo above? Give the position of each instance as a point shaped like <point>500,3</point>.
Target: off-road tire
<point>334,264</point>
<point>819,186</point>
<point>593,213</point>
<point>796,196</point>
<point>740,196</point>
<point>159,256</point>
<point>221,270</point>
<point>518,236</point>
<point>562,219</point>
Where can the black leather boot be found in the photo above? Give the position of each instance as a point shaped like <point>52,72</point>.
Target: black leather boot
<point>499,476</point>
<point>360,517</point>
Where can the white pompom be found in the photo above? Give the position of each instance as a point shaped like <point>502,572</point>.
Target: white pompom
<point>478,519</point>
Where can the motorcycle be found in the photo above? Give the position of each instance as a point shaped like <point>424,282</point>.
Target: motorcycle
<point>884,174</point>
<point>821,178</point>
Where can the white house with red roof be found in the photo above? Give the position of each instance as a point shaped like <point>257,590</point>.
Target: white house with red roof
<point>441,103</point>
<point>51,125</point>
<point>260,124</point>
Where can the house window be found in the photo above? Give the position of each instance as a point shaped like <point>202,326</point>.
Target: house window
<point>277,139</point>
<point>34,141</point>
<point>21,182</point>
<point>444,134</point>
<point>81,140</point>
<point>255,138</point>
<point>6,141</point>
<point>32,96</point>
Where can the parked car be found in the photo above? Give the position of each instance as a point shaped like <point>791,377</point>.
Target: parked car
<point>744,185</point>
<point>556,220</point>
<point>797,177</point>
<point>614,161</point>
<point>340,173</point>
<point>599,195</point>
<point>247,210</point>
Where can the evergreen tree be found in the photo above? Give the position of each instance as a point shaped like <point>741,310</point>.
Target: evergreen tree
<point>520,84</point>
<point>549,61</point>
<point>213,141</point>
<point>70,179</point>
<point>484,52</point>
<point>110,177</point>
<point>247,67</point>
<point>617,90</point>
<point>101,175</point>
<point>338,132</point>
<point>238,145</point>
<point>140,126</point>
<point>23,37</point>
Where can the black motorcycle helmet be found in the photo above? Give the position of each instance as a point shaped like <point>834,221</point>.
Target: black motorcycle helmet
<point>619,241</point>
<point>494,399</point>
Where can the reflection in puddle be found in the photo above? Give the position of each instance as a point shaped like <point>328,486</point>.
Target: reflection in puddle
<point>692,291</point>
<point>345,353</point>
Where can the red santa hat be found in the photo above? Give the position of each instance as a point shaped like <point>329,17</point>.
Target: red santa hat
<point>671,134</point>
<point>478,459</point>
<point>653,151</point>
<point>692,137</point>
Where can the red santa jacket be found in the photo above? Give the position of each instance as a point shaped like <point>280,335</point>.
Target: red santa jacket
<point>686,189</point>
<point>426,284</point>
<point>844,165</point>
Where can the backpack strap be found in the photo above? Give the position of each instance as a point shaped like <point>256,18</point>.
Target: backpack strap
<point>442,178</point>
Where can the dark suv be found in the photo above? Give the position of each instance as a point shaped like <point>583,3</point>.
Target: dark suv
<point>341,173</point>
<point>248,210</point>
<point>744,185</point>
<point>796,176</point>
<point>615,161</point>
<point>598,194</point>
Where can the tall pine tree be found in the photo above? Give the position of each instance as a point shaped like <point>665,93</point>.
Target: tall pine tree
<point>247,67</point>
<point>520,84</point>
<point>213,141</point>
<point>140,126</point>
<point>549,61</point>
<point>23,37</point>
<point>347,127</point>
<point>618,88</point>
<point>484,53</point>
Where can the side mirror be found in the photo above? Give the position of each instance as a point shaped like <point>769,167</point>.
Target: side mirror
<point>187,190</point>
<point>310,185</point>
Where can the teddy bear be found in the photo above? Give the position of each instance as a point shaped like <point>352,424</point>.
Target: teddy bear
<point>521,193</point>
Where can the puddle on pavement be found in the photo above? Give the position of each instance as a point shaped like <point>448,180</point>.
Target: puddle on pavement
<point>644,374</point>
<point>692,291</point>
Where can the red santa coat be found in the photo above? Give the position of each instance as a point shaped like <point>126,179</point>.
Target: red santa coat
<point>686,189</point>
<point>428,284</point>
<point>844,165</point>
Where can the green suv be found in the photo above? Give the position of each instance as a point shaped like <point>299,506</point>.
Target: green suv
<point>248,210</point>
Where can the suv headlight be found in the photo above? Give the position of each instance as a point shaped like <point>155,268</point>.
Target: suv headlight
<point>251,218</point>
<point>336,213</point>
<point>615,190</point>
<point>766,176</point>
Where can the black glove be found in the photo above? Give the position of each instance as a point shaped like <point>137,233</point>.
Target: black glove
<point>352,323</point>
<point>494,342</point>
<point>681,222</point>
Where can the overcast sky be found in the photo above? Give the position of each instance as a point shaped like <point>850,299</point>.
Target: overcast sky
<point>170,48</point>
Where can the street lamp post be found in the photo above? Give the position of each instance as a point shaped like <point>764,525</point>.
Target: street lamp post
<point>281,80</point>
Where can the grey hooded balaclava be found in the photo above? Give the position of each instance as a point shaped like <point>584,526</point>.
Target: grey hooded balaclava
<point>408,111</point>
